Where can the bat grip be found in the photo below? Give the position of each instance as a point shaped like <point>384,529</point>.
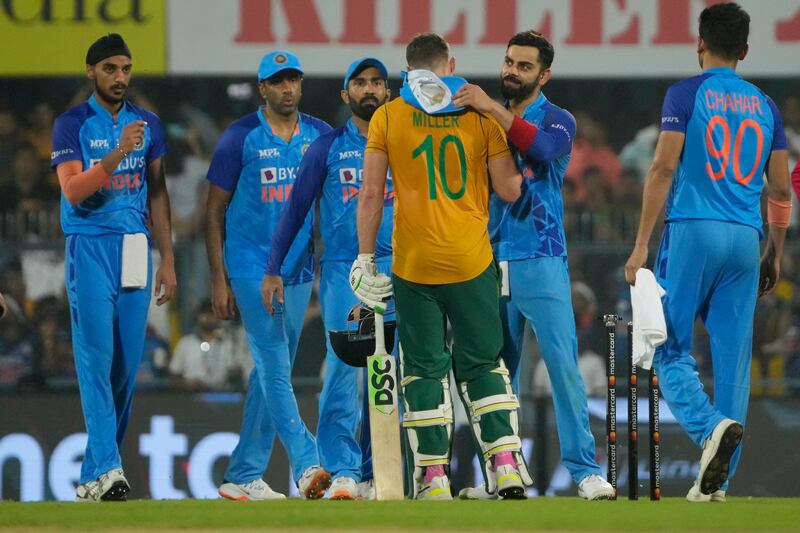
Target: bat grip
<point>380,338</point>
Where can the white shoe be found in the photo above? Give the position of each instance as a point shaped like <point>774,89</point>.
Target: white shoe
<point>113,487</point>
<point>476,493</point>
<point>436,489</point>
<point>509,483</point>
<point>716,459</point>
<point>314,482</point>
<point>88,492</point>
<point>255,490</point>
<point>694,495</point>
<point>343,488</point>
<point>594,487</point>
<point>366,490</point>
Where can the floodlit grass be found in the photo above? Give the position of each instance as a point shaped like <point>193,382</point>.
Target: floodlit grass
<point>541,514</point>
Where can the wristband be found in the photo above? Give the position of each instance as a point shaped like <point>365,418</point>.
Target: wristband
<point>779,213</point>
<point>123,152</point>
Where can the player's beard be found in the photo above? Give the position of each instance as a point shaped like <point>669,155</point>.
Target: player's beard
<point>365,108</point>
<point>518,91</point>
<point>110,97</point>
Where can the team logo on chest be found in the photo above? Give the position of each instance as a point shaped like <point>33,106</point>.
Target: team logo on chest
<point>269,175</point>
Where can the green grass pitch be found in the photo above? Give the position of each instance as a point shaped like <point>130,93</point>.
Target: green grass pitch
<point>540,514</point>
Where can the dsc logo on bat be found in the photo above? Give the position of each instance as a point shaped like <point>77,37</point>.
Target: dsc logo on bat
<point>382,383</point>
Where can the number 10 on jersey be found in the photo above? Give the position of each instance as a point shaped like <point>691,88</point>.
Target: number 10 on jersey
<point>427,149</point>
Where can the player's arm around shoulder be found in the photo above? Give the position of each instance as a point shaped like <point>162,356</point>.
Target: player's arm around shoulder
<point>504,175</point>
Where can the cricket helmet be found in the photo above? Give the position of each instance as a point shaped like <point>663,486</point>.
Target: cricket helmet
<point>354,344</point>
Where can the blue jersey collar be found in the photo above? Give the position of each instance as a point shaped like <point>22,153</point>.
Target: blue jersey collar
<point>103,112</point>
<point>352,130</point>
<point>268,128</point>
<point>535,105</point>
<point>724,71</point>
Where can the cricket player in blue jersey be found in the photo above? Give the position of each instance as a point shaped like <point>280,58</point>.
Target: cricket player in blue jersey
<point>252,172</point>
<point>719,133</point>
<point>108,156</point>
<point>331,171</point>
<point>528,240</point>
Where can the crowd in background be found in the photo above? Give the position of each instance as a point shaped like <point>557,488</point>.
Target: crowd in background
<point>188,349</point>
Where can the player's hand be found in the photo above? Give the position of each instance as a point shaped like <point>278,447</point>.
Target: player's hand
<point>165,282</point>
<point>372,288</point>
<point>470,95</point>
<point>271,286</point>
<point>634,263</point>
<point>222,301</point>
<point>770,272</point>
<point>3,306</point>
<point>132,136</point>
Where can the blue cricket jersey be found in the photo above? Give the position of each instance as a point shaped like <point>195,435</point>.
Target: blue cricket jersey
<point>731,128</point>
<point>332,171</point>
<point>260,169</point>
<point>533,226</point>
<point>86,133</point>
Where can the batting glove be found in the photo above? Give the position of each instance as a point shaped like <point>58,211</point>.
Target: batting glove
<point>372,288</point>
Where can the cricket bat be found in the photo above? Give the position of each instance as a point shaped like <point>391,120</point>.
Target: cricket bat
<point>384,422</point>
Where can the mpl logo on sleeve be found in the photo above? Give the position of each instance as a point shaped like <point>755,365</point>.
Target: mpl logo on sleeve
<point>269,175</point>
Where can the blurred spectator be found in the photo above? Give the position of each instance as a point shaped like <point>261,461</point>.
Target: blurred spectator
<point>591,149</point>
<point>52,342</point>
<point>12,285</point>
<point>637,155</point>
<point>39,132</point>
<point>9,143</point>
<point>597,204</point>
<point>206,359</point>
<point>16,351</point>
<point>791,124</point>
<point>154,368</point>
<point>186,165</point>
<point>29,192</point>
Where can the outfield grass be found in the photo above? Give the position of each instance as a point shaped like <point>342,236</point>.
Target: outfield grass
<point>542,514</point>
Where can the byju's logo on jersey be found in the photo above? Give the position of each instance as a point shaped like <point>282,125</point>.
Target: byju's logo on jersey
<point>348,176</point>
<point>269,175</point>
<point>98,143</point>
<point>269,152</point>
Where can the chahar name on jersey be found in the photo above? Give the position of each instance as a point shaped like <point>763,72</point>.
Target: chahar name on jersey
<point>738,103</point>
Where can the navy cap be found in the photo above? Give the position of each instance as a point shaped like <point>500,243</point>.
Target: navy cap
<point>364,62</point>
<point>277,61</point>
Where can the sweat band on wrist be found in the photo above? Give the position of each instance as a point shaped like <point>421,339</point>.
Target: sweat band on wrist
<point>779,213</point>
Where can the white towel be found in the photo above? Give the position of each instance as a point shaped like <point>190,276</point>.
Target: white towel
<point>505,289</point>
<point>135,252</point>
<point>649,327</point>
<point>431,92</point>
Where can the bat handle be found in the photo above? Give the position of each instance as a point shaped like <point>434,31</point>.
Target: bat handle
<point>380,339</point>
